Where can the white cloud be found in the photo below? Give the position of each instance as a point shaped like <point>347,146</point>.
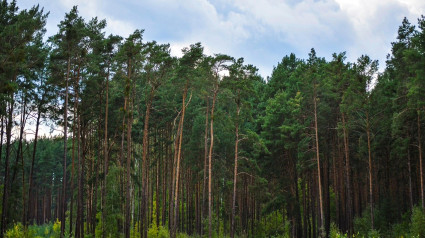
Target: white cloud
<point>92,8</point>
<point>260,31</point>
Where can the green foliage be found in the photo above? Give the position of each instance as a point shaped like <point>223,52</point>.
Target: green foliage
<point>335,233</point>
<point>134,231</point>
<point>99,225</point>
<point>34,231</point>
<point>373,234</point>
<point>417,227</point>
<point>182,235</point>
<point>57,228</point>
<point>163,232</point>
<point>45,230</point>
<point>18,231</point>
<point>362,225</point>
<point>273,225</point>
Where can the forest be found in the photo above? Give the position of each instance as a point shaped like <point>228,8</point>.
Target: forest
<point>154,145</point>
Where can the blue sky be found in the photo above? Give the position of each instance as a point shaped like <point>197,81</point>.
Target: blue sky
<point>260,31</point>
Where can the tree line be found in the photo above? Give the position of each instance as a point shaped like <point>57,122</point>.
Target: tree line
<point>155,144</point>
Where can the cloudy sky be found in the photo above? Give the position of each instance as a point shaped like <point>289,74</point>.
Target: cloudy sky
<point>261,31</point>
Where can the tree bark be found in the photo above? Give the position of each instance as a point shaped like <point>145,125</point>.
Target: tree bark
<point>370,169</point>
<point>210,164</point>
<point>31,176</point>
<point>65,147</point>
<point>6,169</point>
<point>204,188</point>
<point>410,178</point>
<point>144,164</point>
<point>348,178</point>
<point>106,157</point>
<point>235,173</point>
<point>420,159</point>
<point>319,179</point>
<point>176,189</point>
<point>128,184</point>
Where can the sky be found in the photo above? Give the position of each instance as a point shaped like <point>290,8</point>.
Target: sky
<point>260,31</point>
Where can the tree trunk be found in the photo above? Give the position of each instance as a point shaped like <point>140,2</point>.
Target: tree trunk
<point>73,154</point>
<point>235,173</point>
<point>176,189</point>
<point>348,178</point>
<point>20,156</point>
<point>105,161</point>
<point>65,147</point>
<point>210,164</point>
<point>6,169</point>
<point>319,180</point>
<point>410,178</point>
<point>204,187</point>
<point>128,185</point>
<point>144,168</point>
<point>420,159</point>
<point>30,182</point>
<point>79,224</point>
<point>370,169</point>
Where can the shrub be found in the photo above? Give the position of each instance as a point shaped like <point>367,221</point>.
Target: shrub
<point>417,227</point>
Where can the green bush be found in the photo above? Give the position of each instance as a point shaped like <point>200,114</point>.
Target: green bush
<point>18,231</point>
<point>182,235</point>
<point>163,232</point>
<point>402,229</point>
<point>363,224</point>
<point>373,234</point>
<point>335,233</point>
<point>417,226</point>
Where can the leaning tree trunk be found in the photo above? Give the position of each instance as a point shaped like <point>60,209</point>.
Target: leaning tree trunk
<point>176,189</point>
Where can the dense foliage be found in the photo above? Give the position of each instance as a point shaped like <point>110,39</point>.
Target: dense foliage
<point>161,146</point>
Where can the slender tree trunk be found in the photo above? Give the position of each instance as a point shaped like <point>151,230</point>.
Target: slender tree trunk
<point>370,169</point>
<point>30,182</point>
<point>65,147</point>
<point>1,131</point>
<point>144,164</point>
<point>128,185</point>
<point>235,176</point>
<point>79,224</point>
<point>71,210</point>
<point>6,169</point>
<point>420,159</point>
<point>204,187</point>
<point>319,179</point>
<point>176,193</point>
<point>157,189</point>
<point>105,161</point>
<point>348,178</point>
<point>20,157</point>
<point>210,165</point>
<point>164,179</point>
<point>410,178</point>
